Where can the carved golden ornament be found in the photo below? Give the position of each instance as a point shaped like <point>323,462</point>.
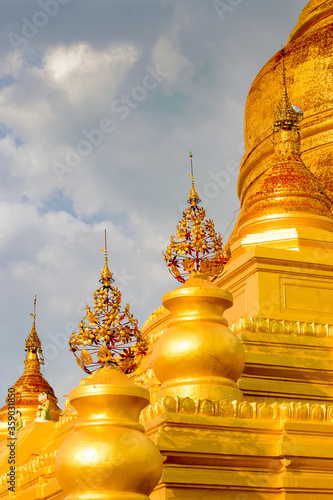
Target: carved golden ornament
<point>104,354</point>
<point>33,344</point>
<point>281,327</point>
<point>108,334</point>
<point>86,357</point>
<point>288,410</point>
<point>33,341</point>
<point>286,115</point>
<point>196,245</point>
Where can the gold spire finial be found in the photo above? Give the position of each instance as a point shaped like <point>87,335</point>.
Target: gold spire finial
<point>108,335</point>
<point>194,197</point>
<point>33,344</point>
<point>106,274</point>
<point>287,117</point>
<point>196,246</point>
<point>34,313</point>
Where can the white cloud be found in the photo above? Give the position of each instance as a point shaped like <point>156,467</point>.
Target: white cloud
<point>46,107</point>
<point>167,55</point>
<point>83,73</point>
<point>11,65</point>
<point>76,77</point>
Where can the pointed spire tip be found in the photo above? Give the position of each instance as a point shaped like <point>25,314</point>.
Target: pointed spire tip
<point>106,274</point>
<point>33,342</point>
<point>194,197</point>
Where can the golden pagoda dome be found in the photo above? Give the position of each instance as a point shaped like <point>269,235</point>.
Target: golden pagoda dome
<point>308,57</point>
<point>313,15</point>
<point>287,193</point>
<point>29,386</point>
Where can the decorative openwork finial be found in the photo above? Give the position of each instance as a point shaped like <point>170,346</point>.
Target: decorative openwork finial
<point>196,246</point>
<point>287,117</point>
<point>33,343</point>
<point>108,335</point>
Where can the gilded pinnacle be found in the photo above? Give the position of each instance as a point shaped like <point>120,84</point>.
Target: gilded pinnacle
<point>31,383</point>
<point>286,118</point>
<point>194,197</point>
<point>106,274</point>
<point>33,343</point>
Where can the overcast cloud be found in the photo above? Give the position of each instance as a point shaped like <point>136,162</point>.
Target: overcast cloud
<point>100,102</point>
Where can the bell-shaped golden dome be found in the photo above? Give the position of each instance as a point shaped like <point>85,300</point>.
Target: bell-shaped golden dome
<point>286,194</point>
<point>314,14</point>
<point>309,63</point>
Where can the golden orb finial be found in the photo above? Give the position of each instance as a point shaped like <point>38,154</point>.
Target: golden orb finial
<point>108,335</point>
<point>196,246</point>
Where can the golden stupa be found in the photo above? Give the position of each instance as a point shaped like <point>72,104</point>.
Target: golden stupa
<point>32,383</point>
<point>236,388</point>
<point>308,59</point>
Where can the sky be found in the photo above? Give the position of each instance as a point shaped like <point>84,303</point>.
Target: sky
<point>100,103</point>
